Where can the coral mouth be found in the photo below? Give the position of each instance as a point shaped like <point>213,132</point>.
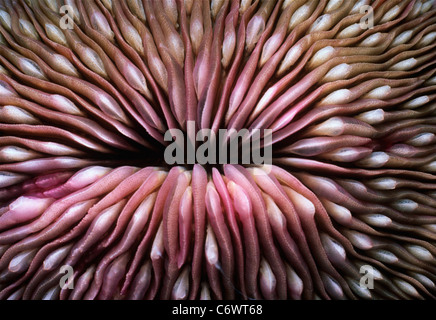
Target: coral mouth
<point>114,183</point>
